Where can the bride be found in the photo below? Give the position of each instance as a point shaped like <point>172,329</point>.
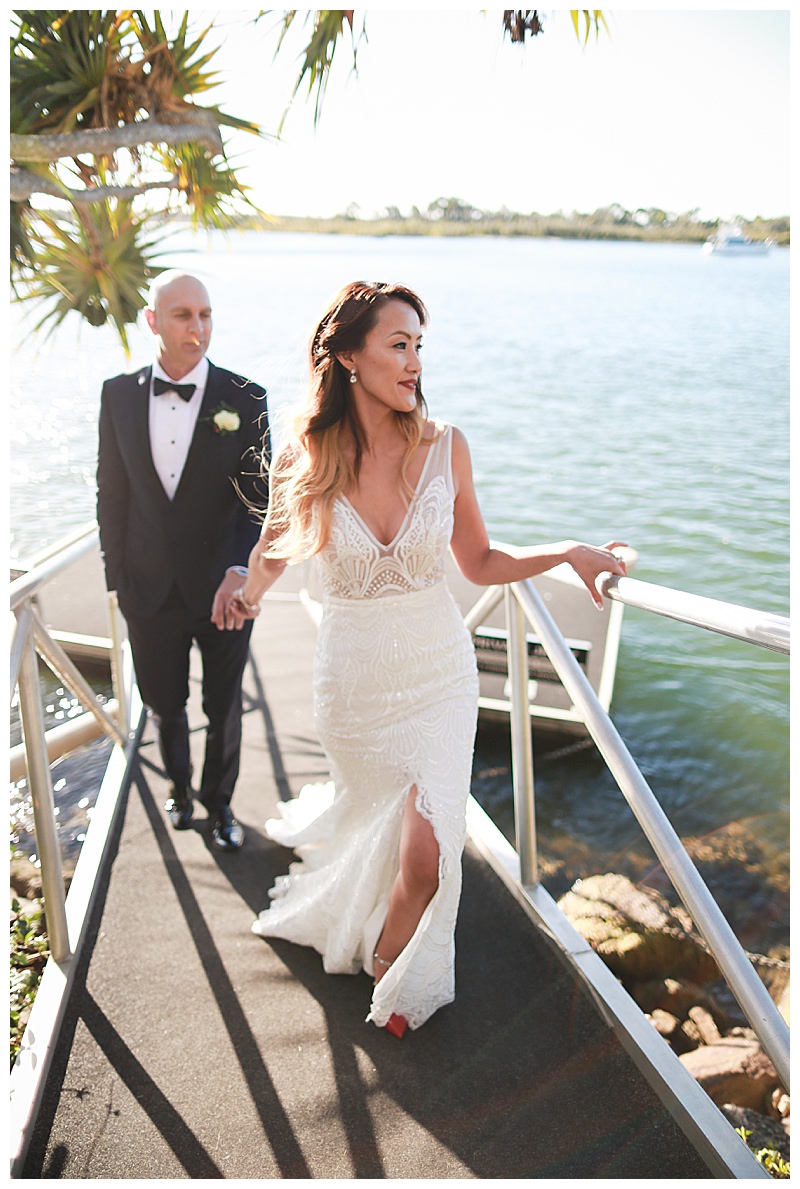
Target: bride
<point>377,492</point>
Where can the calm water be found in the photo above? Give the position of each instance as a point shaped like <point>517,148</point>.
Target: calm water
<point>607,389</point>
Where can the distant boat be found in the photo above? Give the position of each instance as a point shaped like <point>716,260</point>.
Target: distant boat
<point>730,241</point>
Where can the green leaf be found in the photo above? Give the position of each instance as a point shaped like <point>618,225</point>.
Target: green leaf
<point>328,27</point>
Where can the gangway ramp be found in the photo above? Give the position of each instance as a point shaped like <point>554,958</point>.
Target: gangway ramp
<point>194,1049</point>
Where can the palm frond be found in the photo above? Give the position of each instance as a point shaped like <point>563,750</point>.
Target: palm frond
<point>22,250</point>
<point>328,27</point>
<point>60,64</point>
<point>212,189</point>
<point>592,18</point>
<point>98,265</point>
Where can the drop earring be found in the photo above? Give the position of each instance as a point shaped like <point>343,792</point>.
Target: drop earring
<point>353,376</point>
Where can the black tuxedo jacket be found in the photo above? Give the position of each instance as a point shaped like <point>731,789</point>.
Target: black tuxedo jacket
<point>150,542</point>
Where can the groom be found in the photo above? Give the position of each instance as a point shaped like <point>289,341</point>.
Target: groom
<point>181,442</point>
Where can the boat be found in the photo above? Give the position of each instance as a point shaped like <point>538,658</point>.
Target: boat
<point>729,240</point>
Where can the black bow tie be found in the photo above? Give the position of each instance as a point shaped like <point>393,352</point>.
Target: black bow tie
<point>184,391</point>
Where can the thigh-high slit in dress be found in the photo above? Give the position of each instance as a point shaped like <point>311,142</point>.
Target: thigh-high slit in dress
<point>395,705</point>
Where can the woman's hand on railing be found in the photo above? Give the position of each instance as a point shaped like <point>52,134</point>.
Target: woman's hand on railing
<point>590,561</point>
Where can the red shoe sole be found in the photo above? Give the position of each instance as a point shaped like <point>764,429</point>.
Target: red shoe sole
<point>396,1025</point>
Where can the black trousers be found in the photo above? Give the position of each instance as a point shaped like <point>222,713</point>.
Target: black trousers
<point>161,645</point>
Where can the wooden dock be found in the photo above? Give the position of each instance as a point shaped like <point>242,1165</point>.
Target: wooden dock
<point>194,1049</point>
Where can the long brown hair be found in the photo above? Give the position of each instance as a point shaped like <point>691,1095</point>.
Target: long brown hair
<point>310,475</point>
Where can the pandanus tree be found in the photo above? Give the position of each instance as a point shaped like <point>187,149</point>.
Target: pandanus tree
<point>109,136</point>
<point>105,120</point>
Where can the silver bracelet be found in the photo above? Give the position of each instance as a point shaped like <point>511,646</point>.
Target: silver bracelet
<point>239,595</point>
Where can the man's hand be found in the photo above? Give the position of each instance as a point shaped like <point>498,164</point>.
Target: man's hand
<point>227,613</point>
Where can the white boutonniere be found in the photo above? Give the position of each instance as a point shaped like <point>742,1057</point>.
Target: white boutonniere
<point>224,419</point>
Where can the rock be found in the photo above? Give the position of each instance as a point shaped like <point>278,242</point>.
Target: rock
<point>636,932</point>
<point>26,879</point>
<point>678,997</point>
<point>746,1031</point>
<point>785,1003</point>
<point>778,983</point>
<point>766,1133</point>
<point>706,1027</point>
<point>779,1104</point>
<point>664,1023</point>
<point>746,867</point>
<point>728,1004</point>
<point>734,1069</point>
<point>669,1027</point>
<point>692,1036</point>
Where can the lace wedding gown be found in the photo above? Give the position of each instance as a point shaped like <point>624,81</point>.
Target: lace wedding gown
<point>395,704</point>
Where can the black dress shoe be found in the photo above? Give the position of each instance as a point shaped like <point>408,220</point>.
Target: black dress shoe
<point>226,832</point>
<point>179,806</point>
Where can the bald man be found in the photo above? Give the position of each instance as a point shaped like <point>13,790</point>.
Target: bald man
<point>183,451</point>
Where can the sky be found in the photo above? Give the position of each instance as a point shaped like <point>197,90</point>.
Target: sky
<point>679,109</point>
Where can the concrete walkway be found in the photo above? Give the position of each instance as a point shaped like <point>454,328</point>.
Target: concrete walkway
<point>194,1049</point>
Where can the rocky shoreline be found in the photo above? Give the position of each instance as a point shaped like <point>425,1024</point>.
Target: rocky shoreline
<point>657,954</point>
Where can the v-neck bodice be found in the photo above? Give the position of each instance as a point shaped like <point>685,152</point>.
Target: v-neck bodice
<point>420,484</point>
<point>356,565</point>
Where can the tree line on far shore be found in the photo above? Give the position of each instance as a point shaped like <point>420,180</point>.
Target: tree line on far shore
<point>454,216</point>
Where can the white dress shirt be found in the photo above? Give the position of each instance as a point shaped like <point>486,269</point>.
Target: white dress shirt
<point>172,422</point>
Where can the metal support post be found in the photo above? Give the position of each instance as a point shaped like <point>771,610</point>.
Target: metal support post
<point>19,644</point>
<point>43,804</point>
<point>117,663</point>
<point>57,660</point>
<point>521,744</point>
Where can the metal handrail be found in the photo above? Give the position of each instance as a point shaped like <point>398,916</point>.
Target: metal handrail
<point>68,918</point>
<point>743,980</point>
<point>59,663</point>
<point>41,786</point>
<point>32,637</point>
<point>726,619</point>
<point>53,563</point>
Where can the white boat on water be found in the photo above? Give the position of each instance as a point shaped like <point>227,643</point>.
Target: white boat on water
<point>731,241</point>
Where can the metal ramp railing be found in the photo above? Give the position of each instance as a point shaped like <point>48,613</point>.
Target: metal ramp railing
<point>524,606</point>
<point>122,721</point>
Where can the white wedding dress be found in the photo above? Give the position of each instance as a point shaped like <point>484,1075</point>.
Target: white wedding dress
<point>395,703</point>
